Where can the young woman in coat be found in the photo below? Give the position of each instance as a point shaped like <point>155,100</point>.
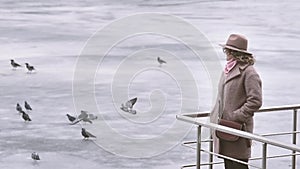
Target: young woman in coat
<point>239,96</point>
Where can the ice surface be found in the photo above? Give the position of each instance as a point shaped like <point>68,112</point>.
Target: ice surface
<point>50,35</point>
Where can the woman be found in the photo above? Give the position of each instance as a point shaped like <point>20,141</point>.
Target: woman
<point>239,96</point>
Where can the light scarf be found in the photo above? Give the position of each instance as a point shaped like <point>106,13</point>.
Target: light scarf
<point>230,65</point>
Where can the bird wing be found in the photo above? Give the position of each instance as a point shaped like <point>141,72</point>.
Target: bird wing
<point>131,102</point>
<point>87,120</point>
<point>89,134</point>
<point>160,60</point>
<point>16,64</point>
<point>26,117</point>
<point>75,122</point>
<point>92,117</point>
<point>82,115</point>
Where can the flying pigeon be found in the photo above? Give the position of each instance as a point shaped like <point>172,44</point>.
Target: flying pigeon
<point>19,108</point>
<point>160,61</point>
<point>71,118</point>
<point>35,156</point>
<point>27,106</point>
<point>25,116</point>
<point>14,64</point>
<point>86,134</point>
<point>29,67</point>
<point>129,105</point>
<point>82,117</point>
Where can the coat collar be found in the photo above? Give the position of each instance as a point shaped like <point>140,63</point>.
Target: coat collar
<point>236,71</point>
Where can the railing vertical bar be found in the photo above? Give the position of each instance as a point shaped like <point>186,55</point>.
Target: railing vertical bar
<point>264,157</point>
<point>198,147</point>
<point>211,155</point>
<point>294,137</point>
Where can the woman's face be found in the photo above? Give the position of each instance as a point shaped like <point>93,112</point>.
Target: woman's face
<point>227,53</point>
<point>228,57</point>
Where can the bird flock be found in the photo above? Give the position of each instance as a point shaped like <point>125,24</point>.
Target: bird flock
<point>25,115</point>
<point>24,112</point>
<point>15,65</point>
<point>84,115</point>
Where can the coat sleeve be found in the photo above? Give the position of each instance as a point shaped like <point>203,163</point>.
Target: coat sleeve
<point>253,89</point>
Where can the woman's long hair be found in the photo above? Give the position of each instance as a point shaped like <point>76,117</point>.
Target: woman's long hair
<point>240,56</point>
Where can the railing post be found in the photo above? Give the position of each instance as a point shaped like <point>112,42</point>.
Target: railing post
<point>264,157</point>
<point>294,137</point>
<point>198,147</point>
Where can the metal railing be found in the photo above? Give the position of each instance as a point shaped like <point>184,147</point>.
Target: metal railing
<point>195,118</point>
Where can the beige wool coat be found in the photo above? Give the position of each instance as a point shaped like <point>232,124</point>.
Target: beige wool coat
<point>239,96</point>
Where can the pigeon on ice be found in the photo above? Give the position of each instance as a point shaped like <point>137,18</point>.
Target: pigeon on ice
<point>27,106</point>
<point>35,156</point>
<point>25,116</point>
<point>86,134</point>
<point>129,105</point>
<point>29,67</point>
<point>160,61</point>
<point>19,108</point>
<point>14,64</point>
<point>71,118</point>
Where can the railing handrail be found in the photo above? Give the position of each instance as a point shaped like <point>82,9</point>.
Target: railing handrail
<point>190,119</point>
<point>279,108</point>
<point>264,109</point>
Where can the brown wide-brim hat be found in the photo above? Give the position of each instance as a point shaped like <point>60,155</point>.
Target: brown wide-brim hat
<point>237,42</point>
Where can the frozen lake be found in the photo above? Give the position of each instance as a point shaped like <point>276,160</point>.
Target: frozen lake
<point>52,35</point>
